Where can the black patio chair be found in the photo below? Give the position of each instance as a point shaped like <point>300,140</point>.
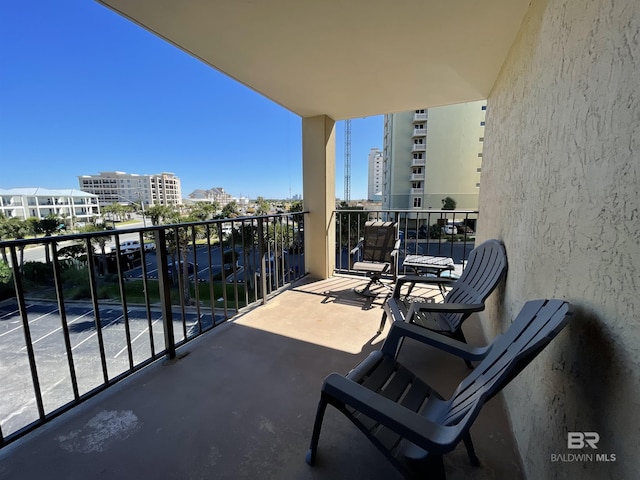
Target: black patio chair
<point>376,254</point>
<point>407,420</point>
<point>486,266</point>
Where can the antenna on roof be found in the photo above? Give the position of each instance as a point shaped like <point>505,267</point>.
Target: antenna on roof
<point>347,160</point>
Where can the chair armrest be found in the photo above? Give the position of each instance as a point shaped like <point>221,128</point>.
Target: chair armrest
<point>421,306</point>
<point>357,248</point>
<point>393,310</point>
<point>400,330</point>
<point>413,279</point>
<point>426,434</point>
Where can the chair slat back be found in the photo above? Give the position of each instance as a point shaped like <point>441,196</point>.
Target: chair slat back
<point>379,241</point>
<point>486,265</point>
<point>535,326</point>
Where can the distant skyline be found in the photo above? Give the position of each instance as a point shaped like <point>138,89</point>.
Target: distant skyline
<point>83,90</point>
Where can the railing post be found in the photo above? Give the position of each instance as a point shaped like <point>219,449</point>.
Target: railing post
<point>22,307</point>
<point>263,268</point>
<point>165,293</point>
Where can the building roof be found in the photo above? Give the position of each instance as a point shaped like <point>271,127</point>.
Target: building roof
<point>45,192</point>
<point>344,59</point>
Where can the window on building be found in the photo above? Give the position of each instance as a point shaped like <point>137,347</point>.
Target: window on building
<point>417,202</point>
<point>480,155</point>
<point>417,156</point>
<point>482,123</point>
<point>481,139</point>
<point>418,141</point>
<point>484,107</point>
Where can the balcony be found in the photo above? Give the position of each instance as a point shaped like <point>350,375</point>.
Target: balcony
<point>420,117</point>
<point>416,176</point>
<point>224,392</point>
<point>416,191</point>
<point>241,403</point>
<point>418,162</point>
<point>419,132</point>
<point>419,147</point>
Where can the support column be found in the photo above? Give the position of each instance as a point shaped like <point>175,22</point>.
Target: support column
<point>319,192</point>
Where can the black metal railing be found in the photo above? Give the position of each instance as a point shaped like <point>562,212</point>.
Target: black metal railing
<point>80,312</point>
<point>446,233</point>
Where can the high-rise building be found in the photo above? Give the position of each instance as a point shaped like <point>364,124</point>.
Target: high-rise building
<point>120,187</point>
<point>374,190</point>
<point>430,154</point>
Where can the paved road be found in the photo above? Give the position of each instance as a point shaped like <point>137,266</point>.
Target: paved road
<point>18,406</point>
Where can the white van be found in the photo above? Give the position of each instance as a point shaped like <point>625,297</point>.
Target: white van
<point>129,246</point>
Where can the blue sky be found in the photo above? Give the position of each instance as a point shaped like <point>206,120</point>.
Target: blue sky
<point>83,90</point>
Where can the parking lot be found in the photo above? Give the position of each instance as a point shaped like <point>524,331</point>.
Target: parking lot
<point>18,407</point>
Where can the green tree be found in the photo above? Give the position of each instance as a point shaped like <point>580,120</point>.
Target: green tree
<point>262,206</point>
<point>5,272</point>
<point>296,207</point>
<point>100,242</point>
<point>230,210</point>
<point>350,225</point>
<point>47,227</point>
<point>19,229</point>
<point>448,203</point>
<point>158,214</point>
<point>4,235</point>
<point>201,211</point>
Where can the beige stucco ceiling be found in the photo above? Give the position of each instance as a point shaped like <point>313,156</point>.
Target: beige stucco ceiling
<point>343,58</point>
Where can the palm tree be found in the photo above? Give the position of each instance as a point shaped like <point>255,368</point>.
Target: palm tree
<point>4,235</point>
<point>99,241</point>
<point>47,226</point>
<point>201,211</point>
<point>158,213</point>
<point>19,229</point>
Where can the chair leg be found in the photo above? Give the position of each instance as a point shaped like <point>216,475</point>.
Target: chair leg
<point>473,458</point>
<point>366,291</point>
<point>315,437</point>
<point>459,335</point>
<point>384,320</point>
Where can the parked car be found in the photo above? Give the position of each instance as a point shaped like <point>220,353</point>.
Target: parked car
<point>450,229</point>
<point>462,229</point>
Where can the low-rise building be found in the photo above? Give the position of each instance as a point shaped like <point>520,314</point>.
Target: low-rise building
<point>39,202</point>
<point>213,195</point>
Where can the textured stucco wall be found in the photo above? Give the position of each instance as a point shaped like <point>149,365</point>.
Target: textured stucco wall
<point>560,186</point>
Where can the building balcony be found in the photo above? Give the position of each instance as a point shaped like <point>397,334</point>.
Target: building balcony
<point>419,132</point>
<point>419,147</point>
<point>418,162</point>
<point>420,117</point>
<point>233,394</point>
<point>416,176</point>
<point>416,191</point>
<point>241,399</point>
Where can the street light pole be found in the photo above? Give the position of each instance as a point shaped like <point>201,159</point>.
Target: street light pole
<point>144,219</point>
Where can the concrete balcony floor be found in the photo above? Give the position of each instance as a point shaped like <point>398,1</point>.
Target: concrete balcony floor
<point>241,404</point>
